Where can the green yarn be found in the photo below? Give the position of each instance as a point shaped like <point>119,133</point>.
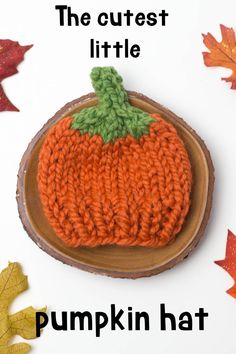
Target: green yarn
<point>113,117</point>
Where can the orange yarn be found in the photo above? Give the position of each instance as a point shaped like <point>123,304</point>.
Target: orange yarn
<point>133,192</point>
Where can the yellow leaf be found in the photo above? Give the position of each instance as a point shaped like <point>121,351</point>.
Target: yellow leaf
<point>12,283</point>
<point>19,348</point>
<point>23,323</point>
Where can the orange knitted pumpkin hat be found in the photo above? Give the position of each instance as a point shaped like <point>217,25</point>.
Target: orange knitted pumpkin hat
<point>113,174</point>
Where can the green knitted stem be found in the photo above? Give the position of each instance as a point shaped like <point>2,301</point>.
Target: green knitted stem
<point>113,117</point>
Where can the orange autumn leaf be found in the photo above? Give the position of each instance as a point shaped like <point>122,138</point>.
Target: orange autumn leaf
<point>229,263</point>
<point>222,53</point>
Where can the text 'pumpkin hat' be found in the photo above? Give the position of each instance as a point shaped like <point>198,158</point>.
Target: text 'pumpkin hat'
<point>113,174</point>
<point>116,169</point>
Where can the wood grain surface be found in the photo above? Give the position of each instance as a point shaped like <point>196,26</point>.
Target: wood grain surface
<point>115,261</point>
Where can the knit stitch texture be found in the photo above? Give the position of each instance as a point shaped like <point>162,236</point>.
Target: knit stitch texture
<point>133,192</point>
<point>113,174</point>
<point>113,117</point>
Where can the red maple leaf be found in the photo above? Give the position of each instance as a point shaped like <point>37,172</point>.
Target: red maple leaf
<point>11,54</point>
<point>229,263</point>
<point>222,53</point>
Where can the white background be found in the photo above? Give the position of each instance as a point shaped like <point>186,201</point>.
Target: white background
<point>170,70</point>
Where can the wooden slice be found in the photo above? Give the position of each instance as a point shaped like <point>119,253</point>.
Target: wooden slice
<point>115,261</point>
